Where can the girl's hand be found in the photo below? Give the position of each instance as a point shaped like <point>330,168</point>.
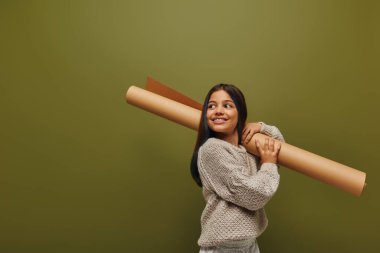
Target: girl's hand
<point>268,153</point>
<point>249,130</point>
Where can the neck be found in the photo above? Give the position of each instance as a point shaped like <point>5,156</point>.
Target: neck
<point>230,138</point>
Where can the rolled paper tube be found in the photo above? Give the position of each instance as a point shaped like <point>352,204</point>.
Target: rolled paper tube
<point>164,107</point>
<point>315,166</point>
<point>307,163</point>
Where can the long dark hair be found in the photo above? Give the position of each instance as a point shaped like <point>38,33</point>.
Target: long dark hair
<point>204,132</point>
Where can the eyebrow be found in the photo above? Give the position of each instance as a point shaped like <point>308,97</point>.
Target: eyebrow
<point>227,100</point>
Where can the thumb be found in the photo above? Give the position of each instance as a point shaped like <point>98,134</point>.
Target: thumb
<point>258,145</point>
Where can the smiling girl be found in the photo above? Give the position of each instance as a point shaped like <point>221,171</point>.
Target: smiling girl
<point>236,185</point>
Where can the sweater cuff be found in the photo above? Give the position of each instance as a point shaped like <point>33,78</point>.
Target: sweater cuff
<point>271,168</point>
<point>269,165</point>
<point>264,128</point>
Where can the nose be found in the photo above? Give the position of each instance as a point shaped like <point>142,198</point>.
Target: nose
<point>219,110</point>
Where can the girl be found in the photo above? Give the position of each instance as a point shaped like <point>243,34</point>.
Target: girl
<point>236,185</point>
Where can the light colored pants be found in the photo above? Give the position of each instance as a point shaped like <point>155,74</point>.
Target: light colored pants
<point>234,247</point>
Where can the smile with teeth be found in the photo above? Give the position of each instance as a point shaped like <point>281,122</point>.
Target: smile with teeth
<point>219,120</point>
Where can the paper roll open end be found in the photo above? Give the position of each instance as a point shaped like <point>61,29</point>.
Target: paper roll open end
<point>363,185</point>
<point>128,94</point>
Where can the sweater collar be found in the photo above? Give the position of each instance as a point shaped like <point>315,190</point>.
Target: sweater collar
<point>239,148</point>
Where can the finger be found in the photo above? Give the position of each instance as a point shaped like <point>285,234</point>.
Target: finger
<point>244,136</point>
<point>266,144</point>
<point>271,145</point>
<point>258,146</point>
<point>249,137</point>
<point>277,147</point>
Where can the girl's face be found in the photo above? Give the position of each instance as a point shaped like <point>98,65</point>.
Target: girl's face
<point>222,115</point>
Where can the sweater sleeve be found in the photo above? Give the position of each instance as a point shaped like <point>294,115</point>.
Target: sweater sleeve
<point>221,172</point>
<point>271,131</point>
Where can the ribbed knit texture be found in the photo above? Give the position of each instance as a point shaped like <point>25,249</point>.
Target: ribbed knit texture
<point>236,189</point>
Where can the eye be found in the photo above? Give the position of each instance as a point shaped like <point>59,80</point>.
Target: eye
<point>228,106</point>
<point>211,106</point>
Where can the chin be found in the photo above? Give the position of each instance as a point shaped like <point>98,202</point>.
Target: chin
<point>221,130</point>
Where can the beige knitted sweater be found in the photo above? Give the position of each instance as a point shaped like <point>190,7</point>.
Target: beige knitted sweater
<point>236,189</point>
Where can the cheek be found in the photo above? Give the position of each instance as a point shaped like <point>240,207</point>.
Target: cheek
<point>235,120</point>
<point>234,123</point>
<point>208,115</point>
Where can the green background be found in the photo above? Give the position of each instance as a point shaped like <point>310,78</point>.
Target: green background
<point>82,171</point>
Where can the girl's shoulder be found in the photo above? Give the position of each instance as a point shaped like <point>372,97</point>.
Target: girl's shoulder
<point>214,144</point>
<point>216,152</point>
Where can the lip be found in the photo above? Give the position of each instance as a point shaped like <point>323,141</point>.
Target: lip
<point>219,121</point>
